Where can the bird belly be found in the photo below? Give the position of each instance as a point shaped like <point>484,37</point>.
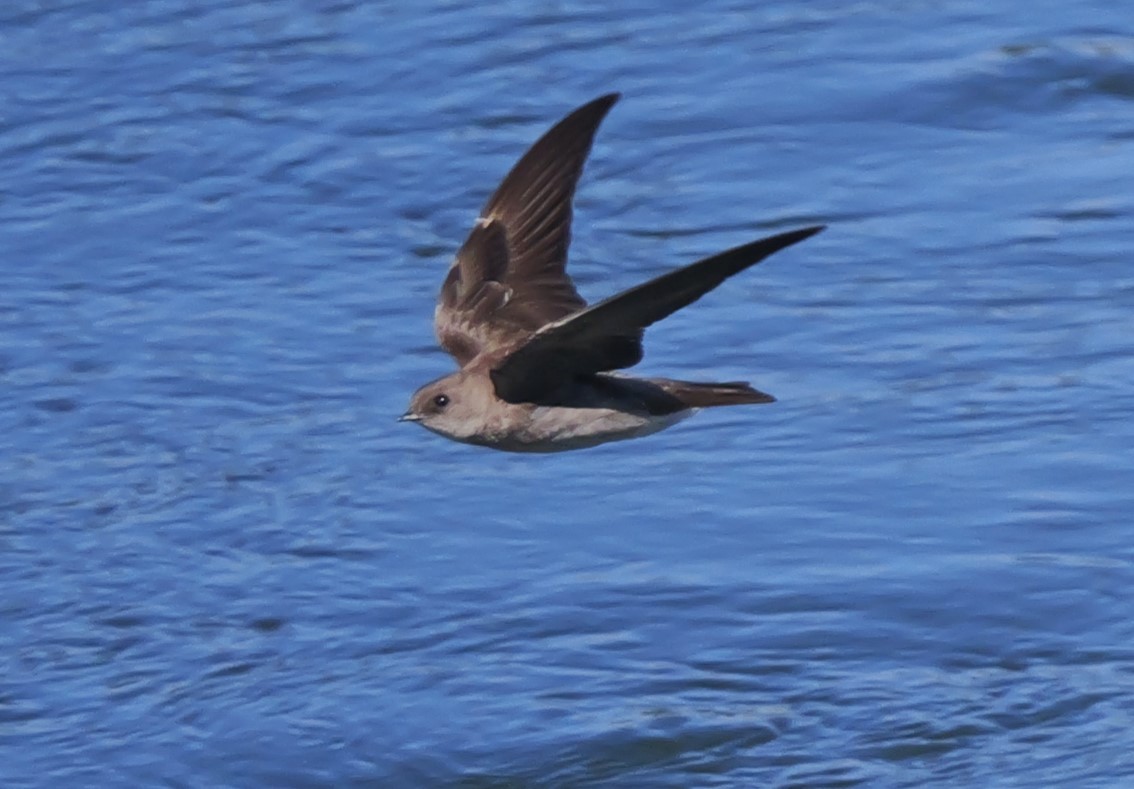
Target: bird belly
<point>558,429</point>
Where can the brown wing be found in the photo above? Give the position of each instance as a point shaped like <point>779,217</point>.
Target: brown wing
<point>608,336</point>
<point>509,277</point>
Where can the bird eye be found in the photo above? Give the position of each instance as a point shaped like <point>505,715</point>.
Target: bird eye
<point>441,400</point>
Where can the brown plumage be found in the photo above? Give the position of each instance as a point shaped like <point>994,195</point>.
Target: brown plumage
<point>695,395</point>
<point>537,364</point>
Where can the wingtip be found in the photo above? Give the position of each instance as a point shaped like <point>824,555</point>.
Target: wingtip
<point>602,104</point>
<point>791,237</point>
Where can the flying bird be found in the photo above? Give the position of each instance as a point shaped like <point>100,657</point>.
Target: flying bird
<point>537,365</point>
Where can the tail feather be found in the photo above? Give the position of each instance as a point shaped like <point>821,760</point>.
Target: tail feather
<point>706,395</point>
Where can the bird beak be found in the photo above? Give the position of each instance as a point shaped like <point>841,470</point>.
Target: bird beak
<point>409,416</point>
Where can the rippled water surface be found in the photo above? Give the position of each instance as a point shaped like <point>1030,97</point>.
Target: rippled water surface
<point>222,562</point>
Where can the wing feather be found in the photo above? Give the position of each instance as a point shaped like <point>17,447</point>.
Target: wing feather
<point>608,335</point>
<point>517,251</point>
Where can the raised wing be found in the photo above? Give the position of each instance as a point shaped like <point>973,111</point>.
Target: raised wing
<point>509,278</point>
<point>608,336</point>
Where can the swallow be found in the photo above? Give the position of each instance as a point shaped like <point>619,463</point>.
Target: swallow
<point>538,366</point>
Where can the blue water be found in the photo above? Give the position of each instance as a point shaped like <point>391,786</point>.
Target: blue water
<point>222,562</point>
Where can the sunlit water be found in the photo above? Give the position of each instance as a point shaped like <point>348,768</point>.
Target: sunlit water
<point>222,562</point>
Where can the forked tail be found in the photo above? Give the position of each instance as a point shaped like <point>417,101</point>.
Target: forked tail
<point>695,395</point>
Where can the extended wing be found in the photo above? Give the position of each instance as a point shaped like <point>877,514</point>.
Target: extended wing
<point>509,278</point>
<point>608,336</point>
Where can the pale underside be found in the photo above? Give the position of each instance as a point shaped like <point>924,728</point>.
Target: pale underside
<point>557,429</point>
